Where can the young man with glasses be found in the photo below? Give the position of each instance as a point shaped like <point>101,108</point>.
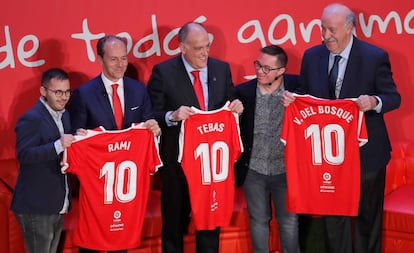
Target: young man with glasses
<point>41,196</point>
<point>261,168</point>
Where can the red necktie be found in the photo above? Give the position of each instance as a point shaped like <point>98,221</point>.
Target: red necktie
<point>116,102</point>
<point>198,89</point>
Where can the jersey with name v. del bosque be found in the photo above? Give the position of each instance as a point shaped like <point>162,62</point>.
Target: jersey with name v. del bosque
<point>210,144</point>
<point>322,139</point>
<point>114,170</point>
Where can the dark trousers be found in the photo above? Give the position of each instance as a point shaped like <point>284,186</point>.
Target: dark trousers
<point>175,210</point>
<point>41,232</point>
<point>366,232</point>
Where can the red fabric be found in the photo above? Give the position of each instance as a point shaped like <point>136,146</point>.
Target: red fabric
<point>326,178</point>
<point>11,238</point>
<point>209,145</point>
<point>398,222</point>
<point>115,183</point>
<point>198,88</point>
<point>399,210</point>
<point>117,106</point>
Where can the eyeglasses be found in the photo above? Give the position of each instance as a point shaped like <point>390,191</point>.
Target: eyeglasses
<point>266,69</point>
<point>60,93</point>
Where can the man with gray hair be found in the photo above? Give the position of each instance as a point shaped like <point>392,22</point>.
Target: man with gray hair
<point>363,72</point>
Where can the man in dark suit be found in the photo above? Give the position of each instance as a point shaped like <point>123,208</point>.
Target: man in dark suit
<point>92,104</point>
<point>263,156</point>
<point>172,94</point>
<point>364,73</point>
<point>41,196</point>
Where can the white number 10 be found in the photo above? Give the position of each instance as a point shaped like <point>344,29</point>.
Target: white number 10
<point>115,176</point>
<point>218,161</point>
<point>326,148</point>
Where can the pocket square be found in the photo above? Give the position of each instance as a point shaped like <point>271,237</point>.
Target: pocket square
<point>134,108</point>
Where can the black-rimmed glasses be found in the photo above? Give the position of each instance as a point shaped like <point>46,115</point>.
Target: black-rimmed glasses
<point>266,69</point>
<point>60,93</point>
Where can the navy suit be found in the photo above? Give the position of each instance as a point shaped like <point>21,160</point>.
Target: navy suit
<point>170,87</point>
<point>246,92</point>
<point>368,72</point>
<point>90,107</point>
<point>40,187</point>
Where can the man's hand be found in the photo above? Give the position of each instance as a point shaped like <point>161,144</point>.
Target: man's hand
<point>181,113</point>
<point>236,106</point>
<point>66,140</point>
<point>366,103</point>
<point>81,131</point>
<point>287,98</point>
<point>152,125</point>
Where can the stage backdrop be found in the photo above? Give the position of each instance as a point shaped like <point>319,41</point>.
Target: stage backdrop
<point>37,35</point>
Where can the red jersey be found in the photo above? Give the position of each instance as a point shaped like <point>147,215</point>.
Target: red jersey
<point>114,170</point>
<point>209,146</point>
<point>322,139</point>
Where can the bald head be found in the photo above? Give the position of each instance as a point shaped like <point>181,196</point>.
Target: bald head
<point>337,23</point>
<point>340,10</point>
<point>192,27</point>
<point>194,44</point>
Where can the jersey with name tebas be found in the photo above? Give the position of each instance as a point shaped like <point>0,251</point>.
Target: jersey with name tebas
<point>209,146</point>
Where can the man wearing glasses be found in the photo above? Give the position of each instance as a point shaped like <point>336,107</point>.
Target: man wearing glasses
<point>261,168</point>
<point>41,196</point>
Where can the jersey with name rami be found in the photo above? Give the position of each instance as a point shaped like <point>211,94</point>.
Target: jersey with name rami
<point>322,139</point>
<point>209,146</point>
<point>114,170</point>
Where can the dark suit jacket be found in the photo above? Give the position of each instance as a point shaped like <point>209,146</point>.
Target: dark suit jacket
<point>40,187</point>
<point>89,105</point>
<point>170,87</point>
<point>368,72</point>
<point>246,92</point>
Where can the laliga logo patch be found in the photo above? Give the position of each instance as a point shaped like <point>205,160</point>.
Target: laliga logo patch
<point>327,176</point>
<point>117,214</point>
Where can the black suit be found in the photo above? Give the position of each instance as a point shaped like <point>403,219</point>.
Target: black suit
<point>368,72</point>
<point>170,87</point>
<point>246,92</point>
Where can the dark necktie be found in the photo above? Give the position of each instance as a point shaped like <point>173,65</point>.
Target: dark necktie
<point>333,76</point>
<point>116,102</point>
<point>198,89</point>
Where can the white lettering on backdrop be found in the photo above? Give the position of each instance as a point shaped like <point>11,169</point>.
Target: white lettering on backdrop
<point>28,45</point>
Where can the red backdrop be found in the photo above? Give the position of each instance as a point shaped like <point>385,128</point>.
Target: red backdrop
<point>36,35</point>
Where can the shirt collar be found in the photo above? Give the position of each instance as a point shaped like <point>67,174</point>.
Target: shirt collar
<point>108,83</point>
<point>55,114</point>
<point>347,50</point>
<point>189,68</point>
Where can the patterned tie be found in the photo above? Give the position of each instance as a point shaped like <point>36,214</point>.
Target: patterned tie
<point>333,76</point>
<point>117,106</point>
<point>198,89</point>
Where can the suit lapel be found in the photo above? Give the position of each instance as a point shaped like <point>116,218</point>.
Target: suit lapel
<point>211,83</point>
<point>48,119</point>
<point>323,71</point>
<point>66,122</point>
<point>351,72</point>
<point>128,100</point>
<point>102,98</point>
<point>184,85</point>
